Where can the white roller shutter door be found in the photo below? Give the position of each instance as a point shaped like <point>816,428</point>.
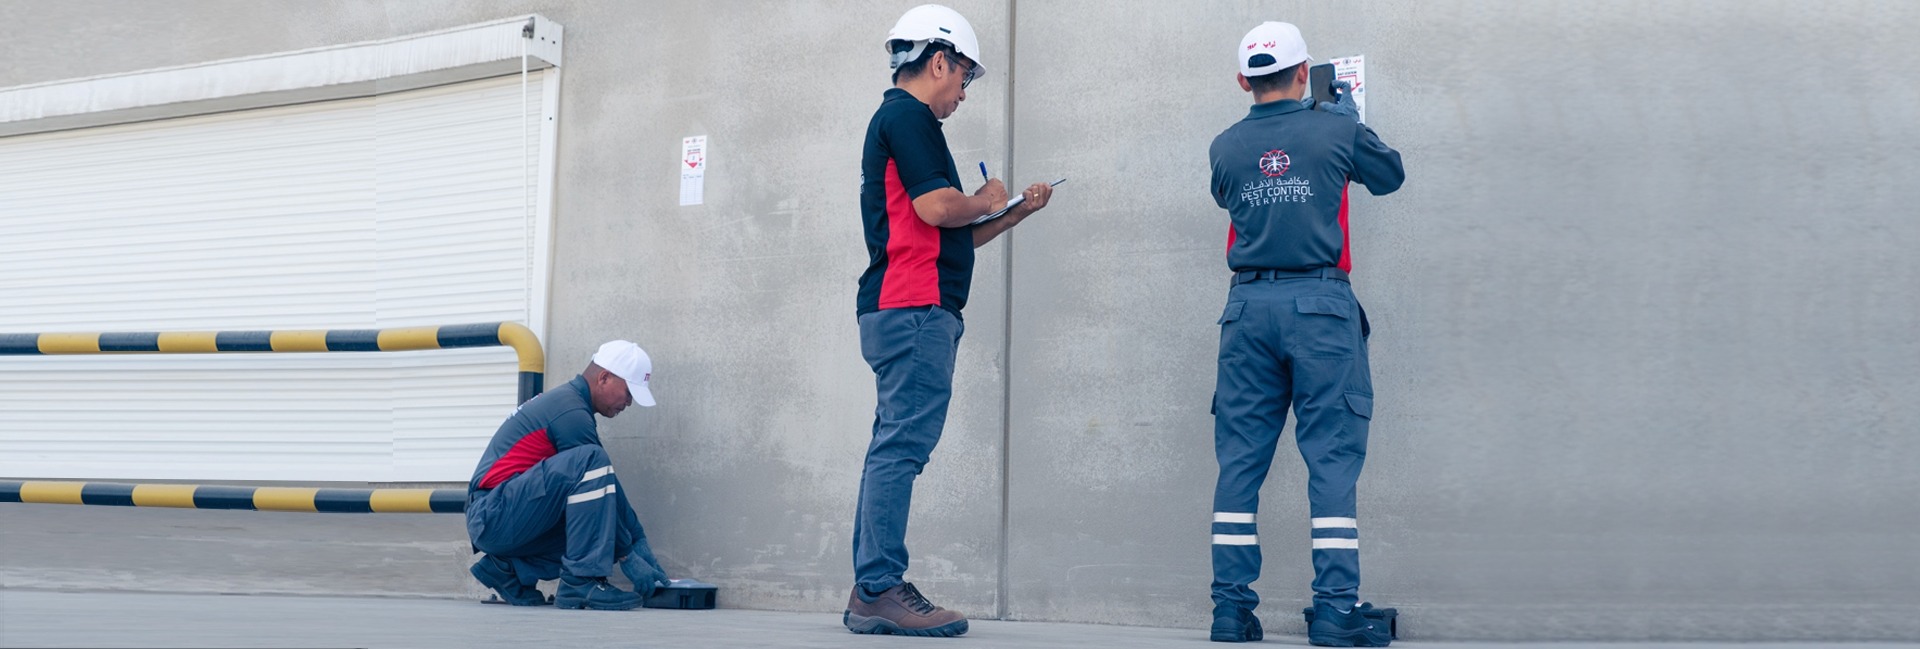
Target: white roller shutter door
<point>402,209</point>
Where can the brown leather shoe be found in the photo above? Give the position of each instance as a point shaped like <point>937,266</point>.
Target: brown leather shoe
<point>901,610</point>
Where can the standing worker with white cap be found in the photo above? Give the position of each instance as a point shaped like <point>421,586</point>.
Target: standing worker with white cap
<point>544,502</point>
<point>1292,333</point>
<point>920,236</point>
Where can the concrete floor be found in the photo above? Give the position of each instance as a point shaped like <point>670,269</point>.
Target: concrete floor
<point>30,618</point>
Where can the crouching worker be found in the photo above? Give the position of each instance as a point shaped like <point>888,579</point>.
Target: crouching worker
<point>545,504</point>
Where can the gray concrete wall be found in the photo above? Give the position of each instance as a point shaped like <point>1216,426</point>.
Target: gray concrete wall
<point>1645,317</point>
<point>749,467</point>
<point>1644,314</point>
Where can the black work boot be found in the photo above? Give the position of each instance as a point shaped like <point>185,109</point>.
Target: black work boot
<point>1234,624</point>
<point>497,574</point>
<point>1333,627</point>
<point>594,593</point>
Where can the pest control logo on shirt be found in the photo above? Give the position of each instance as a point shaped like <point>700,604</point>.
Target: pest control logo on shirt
<point>1274,163</point>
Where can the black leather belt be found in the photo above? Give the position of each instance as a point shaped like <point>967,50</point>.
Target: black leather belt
<point>1329,272</point>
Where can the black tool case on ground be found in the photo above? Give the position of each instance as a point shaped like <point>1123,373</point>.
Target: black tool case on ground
<point>684,594</point>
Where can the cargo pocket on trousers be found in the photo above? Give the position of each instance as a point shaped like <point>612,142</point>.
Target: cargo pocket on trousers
<point>1361,404</point>
<point>1325,327</point>
<point>1232,313</point>
<point>1230,339</point>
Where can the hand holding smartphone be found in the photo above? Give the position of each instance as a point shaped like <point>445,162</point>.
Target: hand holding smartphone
<point>1320,81</point>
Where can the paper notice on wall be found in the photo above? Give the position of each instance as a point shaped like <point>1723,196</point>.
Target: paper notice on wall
<point>693,170</point>
<point>1353,70</point>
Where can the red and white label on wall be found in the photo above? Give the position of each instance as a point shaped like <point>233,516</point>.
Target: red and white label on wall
<point>1353,70</point>
<point>693,170</point>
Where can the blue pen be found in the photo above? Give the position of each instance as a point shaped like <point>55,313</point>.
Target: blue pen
<point>983,171</point>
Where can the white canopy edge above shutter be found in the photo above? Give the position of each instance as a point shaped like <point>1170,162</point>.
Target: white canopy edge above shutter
<point>453,55</point>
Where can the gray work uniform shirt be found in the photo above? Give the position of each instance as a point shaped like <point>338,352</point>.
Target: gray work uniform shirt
<point>1281,173</point>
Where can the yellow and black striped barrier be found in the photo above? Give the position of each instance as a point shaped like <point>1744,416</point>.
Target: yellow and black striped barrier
<point>277,499</point>
<point>533,362</point>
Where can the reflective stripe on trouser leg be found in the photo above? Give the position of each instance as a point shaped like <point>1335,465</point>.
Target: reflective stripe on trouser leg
<point>1334,400</point>
<point>1252,391</point>
<point>911,352</point>
<point>626,525</point>
<point>593,521</point>
<point>1336,560</point>
<point>530,520</point>
<point>627,530</point>
<point>1234,528</point>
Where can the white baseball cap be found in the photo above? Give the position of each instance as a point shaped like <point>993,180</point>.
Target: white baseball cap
<point>629,362</point>
<point>1276,45</point>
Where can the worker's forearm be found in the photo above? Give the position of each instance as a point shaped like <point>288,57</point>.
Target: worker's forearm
<point>963,212</point>
<point>948,208</point>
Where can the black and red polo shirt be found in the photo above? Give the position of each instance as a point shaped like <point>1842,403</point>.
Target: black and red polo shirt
<point>909,262</point>
<point>545,425</point>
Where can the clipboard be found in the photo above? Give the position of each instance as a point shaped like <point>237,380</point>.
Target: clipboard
<point>1010,203</point>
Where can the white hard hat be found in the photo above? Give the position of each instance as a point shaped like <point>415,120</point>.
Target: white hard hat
<point>1277,41</point>
<point>934,23</point>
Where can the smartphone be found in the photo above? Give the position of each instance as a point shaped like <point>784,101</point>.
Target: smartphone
<point>1320,80</point>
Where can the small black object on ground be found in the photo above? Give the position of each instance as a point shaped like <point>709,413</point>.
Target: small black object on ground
<point>684,594</point>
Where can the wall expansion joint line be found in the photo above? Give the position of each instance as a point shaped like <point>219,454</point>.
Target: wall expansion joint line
<point>1006,343</point>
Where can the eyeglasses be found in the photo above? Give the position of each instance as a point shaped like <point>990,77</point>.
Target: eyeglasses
<point>966,77</point>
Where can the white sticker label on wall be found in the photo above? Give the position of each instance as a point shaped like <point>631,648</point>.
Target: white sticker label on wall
<point>693,170</point>
<point>1353,70</point>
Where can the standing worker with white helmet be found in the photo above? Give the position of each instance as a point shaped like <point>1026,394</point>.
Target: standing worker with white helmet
<point>1292,333</point>
<point>920,236</point>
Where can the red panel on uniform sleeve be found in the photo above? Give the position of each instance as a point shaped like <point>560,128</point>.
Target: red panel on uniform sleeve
<point>530,450</point>
<point>913,251</point>
<point>1346,248</point>
<point>1231,235</point>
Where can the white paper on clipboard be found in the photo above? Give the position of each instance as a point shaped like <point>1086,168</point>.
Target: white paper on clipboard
<point>1010,203</point>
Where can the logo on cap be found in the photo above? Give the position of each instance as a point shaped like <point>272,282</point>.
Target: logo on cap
<point>1275,163</point>
<point>1270,47</point>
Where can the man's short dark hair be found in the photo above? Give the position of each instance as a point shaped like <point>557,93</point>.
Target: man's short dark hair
<point>913,68</point>
<point>1273,81</point>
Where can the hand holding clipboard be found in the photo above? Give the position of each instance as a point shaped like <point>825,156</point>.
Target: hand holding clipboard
<point>1010,203</point>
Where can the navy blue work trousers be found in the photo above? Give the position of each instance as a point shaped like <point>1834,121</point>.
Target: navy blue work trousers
<point>911,351</point>
<point>1299,343</point>
<point>563,514</point>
